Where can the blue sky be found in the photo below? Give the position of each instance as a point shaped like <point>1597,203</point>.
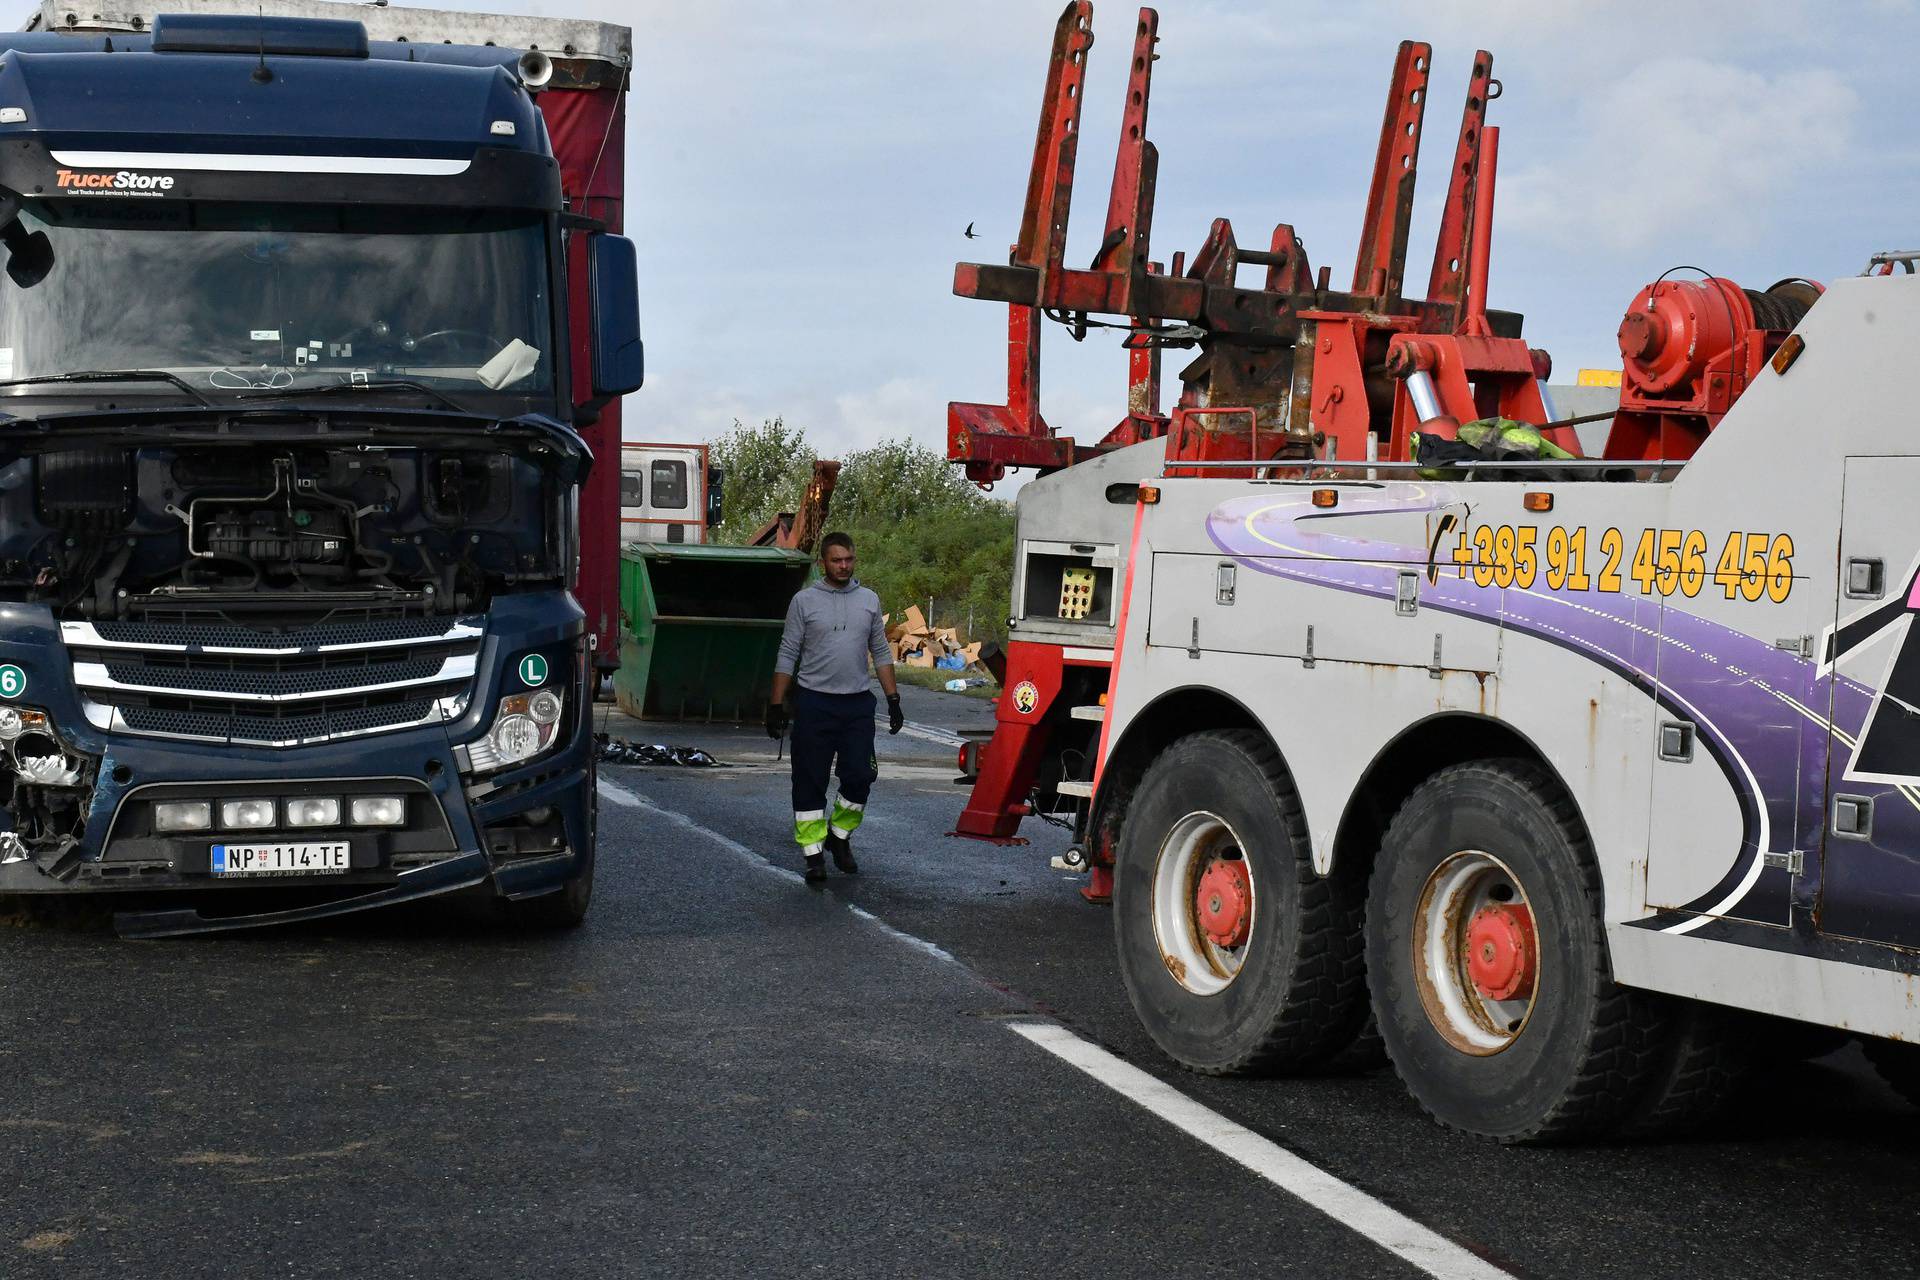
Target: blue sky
<point>799,173</point>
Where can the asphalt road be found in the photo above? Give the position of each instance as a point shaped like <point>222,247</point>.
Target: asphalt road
<point>728,1073</point>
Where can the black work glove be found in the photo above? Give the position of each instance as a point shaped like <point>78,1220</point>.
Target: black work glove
<point>896,718</point>
<point>777,719</point>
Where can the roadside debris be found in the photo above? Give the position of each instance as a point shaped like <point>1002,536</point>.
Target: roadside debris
<point>916,643</point>
<point>614,750</point>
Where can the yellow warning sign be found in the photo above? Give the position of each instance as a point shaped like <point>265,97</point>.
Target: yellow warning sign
<point>1598,378</point>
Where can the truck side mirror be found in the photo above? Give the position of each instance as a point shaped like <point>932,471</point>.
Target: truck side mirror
<point>716,490</point>
<point>613,279</point>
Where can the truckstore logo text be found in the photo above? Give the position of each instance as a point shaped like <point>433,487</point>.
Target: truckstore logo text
<point>124,182</point>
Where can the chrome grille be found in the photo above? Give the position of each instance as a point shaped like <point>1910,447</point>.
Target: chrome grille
<point>314,683</point>
<point>356,631</point>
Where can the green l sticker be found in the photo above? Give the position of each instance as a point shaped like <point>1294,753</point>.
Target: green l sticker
<point>533,671</point>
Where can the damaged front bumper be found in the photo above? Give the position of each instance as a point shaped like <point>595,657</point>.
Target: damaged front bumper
<point>87,826</point>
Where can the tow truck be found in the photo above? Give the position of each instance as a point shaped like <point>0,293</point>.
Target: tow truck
<point>1565,780</point>
<point>315,317</point>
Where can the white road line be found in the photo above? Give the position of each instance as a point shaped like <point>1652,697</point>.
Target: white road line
<point>918,944</point>
<point>945,737</point>
<point>627,799</point>
<point>621,796</point>
<point>888,771</point>
<point>1347,1204</point>
<point>1385,1226</point>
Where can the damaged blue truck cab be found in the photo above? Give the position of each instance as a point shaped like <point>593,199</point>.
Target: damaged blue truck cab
<point>289,482</point>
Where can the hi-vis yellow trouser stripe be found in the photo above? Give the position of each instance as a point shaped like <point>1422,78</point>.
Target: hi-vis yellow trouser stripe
<point>846,816</point>
<point>810,830</point>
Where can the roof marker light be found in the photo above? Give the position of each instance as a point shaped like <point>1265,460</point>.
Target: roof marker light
<point>503,128</point>
<point>13,115</point>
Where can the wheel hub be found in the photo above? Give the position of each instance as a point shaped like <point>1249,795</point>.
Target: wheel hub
<point>1502,957</point>
<point>1223,902</point>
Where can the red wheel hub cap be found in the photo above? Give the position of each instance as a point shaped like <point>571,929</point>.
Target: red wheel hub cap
<point>1502,957</point>
<point>1223,902</point>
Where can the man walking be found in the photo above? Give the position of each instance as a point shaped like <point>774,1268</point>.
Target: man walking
<point>833,627</point>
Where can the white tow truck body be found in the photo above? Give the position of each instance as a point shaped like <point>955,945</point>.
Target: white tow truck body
<point>1713,662</point>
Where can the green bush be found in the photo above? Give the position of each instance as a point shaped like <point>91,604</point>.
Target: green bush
<point>765,470</point>
<point>921,530</point>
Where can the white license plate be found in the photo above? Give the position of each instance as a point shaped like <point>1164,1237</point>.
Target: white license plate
<point>313,858</point>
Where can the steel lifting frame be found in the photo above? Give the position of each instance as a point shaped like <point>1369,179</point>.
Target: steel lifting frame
<point>1317,367</point>
<point>1292,367</point>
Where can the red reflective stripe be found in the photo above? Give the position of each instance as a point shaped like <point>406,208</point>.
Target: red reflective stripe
<point>1119,646</point>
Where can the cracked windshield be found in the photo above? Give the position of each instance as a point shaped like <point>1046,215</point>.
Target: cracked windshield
<point>252,298</point>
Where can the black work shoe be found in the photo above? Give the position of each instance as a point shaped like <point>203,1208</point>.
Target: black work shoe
<point>842,850</point>
<point>816,869</point>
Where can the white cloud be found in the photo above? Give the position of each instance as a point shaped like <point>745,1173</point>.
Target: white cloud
<point>1683,146</point>
<point>901,407</point>
<point>836,423</point>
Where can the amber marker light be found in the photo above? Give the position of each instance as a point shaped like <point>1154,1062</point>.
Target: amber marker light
<point>1537,502</point>
<point>1149,494</point>
<point>1326,497</point>
<point>1789,352</point>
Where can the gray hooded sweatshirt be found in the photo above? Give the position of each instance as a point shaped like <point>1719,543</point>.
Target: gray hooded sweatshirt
<point>830,633</point>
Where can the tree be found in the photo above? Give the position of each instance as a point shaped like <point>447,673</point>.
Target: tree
<point>923,531</point>
<point>765,471</point>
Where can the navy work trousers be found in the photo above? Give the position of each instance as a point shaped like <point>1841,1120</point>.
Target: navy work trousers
<point>826,727</point>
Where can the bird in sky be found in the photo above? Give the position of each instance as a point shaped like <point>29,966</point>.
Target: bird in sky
<point>969,233</point>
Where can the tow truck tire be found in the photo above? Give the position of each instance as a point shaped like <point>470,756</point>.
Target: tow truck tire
<point>1706,1058</point>
<point>1553,1050</point>
<point>1363,1054</point>
<point>566,907</point>
<point>1291,994</point>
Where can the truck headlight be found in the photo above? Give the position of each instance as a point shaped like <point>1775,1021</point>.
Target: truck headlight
<point>313,811</point>
<point>247,815</point>
<point>524,725</point>
<point>514,738</point>
<point>15,721</point>
<point>379,811</point>
<point>183,815</point>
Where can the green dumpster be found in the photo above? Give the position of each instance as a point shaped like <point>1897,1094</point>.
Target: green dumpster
<point>702,628</point>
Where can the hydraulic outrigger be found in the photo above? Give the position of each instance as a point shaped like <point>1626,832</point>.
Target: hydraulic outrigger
<point>1290,368</point>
